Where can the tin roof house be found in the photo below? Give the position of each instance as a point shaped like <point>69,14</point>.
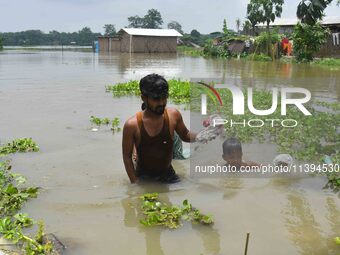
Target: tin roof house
<point>332,46</point>
<point>143,40</point>
<point>286,26</point>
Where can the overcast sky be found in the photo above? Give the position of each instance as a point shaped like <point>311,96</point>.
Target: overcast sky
<point>72,15</point>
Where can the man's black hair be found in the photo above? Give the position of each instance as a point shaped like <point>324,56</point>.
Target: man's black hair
<point>231,145</point>
<point>154,86</point>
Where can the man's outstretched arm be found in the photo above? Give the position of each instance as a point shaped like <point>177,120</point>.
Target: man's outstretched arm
<point>128,144</point>
<point>182,130</point>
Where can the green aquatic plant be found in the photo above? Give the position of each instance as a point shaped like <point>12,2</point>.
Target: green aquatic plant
<point>333,181</point>
<point>98,121</point>
<point>333,62</point>
<point>259,57</point>
<point>12,229</point>
<point>12,198</point>
<point>179,91</point>
<point>334,105</point>
<point>106,121</point>
<point>190,51</point>
<point>337,240</point>
<point>19,145</point>
<point>12,195</point>
<point>158,213</point>
<point>115,125</point>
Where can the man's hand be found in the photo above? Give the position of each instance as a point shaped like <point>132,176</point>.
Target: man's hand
<point>210,132</point>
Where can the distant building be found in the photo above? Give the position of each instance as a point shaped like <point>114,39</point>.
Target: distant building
<point>330,49</point>
<point>286,26</point>
<point>140,40</point>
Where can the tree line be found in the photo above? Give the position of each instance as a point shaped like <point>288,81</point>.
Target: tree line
<point>36,37</point>
<point>152,19</point>
<point>258,11</point>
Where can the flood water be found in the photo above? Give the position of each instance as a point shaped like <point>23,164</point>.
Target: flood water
<point>86,199</point>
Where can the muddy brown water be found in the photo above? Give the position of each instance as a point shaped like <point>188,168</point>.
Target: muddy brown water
<point>86,199</point>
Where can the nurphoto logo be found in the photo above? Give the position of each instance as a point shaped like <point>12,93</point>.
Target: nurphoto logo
<point>239,105</point>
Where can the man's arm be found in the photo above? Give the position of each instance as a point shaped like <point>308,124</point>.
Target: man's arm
<point>128,144</point>
<point>182,130</point>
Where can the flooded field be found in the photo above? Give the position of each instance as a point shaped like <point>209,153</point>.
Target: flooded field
<point>86,198</point>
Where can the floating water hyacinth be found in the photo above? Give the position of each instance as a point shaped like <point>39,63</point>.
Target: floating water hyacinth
<point>158,213</point>
<point>19,145</point>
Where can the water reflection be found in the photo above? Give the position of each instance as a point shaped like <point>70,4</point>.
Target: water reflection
<point>231,186</point>
<point>79,67</point>
<point>141,64</point>
<point>333,218</point>
<point>306,226</point>
<point>303,227</point>
<point>131,211</point>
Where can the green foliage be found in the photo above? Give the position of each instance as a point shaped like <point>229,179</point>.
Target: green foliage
<point>152,19</point>
<point>98,121</point>
<point>158,213</point>
<point>311,11</point>
<point>115,125</point>
<point>106,121</point>
<point>332,62</point>
<point>179,91</point>
<point>12,195</point>
<point>212,50</point>
<point>335,106</point>
<point>36,37</point>
<point>12,229</point>
<point>1,43</point>
<point>308,39</point>
<point>265,11</point>
<point>265,37</point>
<point>190,51</point>
<point>175,25</point>
<point>124,89</point>
<point>247,26</point>
<point>225,28</point>
<point>337,240</point>
<point>19,145</point>
<point>109,30</point>
<point>259,57</point>
<point>332,175</point>
<point>333,181</point>
<point>12,199</point>
<point>195,33</point>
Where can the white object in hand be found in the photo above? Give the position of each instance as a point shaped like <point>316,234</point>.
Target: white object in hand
<point>210,132</point>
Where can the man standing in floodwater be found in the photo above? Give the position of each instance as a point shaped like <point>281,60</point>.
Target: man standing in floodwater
<point>151,132</point>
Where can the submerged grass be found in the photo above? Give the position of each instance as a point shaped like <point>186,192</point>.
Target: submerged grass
<point>158,213</point>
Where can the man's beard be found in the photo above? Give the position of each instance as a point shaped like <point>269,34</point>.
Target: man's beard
<point>159,110</point>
